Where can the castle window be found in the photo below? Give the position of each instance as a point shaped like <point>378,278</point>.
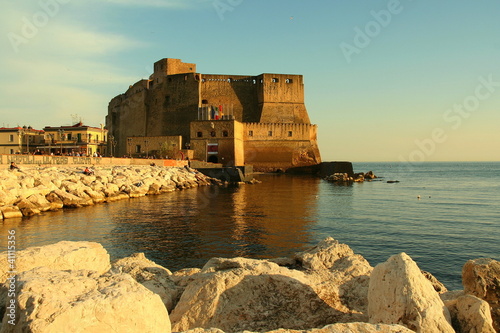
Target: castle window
<point>185,77</point>
<point>199,134</point>
<point>289,80</point>
<point>11,137</point>
<point>229,80</point>
<point>261,81</point>
<point>290,133</point>
<point>212,134</point>
<point>205,101</point>
<point>276,80</point>
<point>254,81</point>
<point>138,148</point>
<point>169,79</point>
<point>250,133</point>
<point>225,133</point>
<point>167,99</point>
<point>270,133</point>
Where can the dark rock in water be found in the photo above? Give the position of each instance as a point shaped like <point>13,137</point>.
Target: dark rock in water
<point>359,177</point>
<point>370,175</point>
<point>392,181</point>
<point>339,178</point>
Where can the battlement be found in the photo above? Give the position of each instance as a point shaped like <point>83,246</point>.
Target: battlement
<point>169,66</point>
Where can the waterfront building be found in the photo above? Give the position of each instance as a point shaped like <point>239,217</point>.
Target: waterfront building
<point>20,140</point>
<point>230,119</point>
<point>76,139</point>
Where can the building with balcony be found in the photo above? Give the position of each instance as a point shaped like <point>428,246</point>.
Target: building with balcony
<point>20,140</point>
<point>78,139</point>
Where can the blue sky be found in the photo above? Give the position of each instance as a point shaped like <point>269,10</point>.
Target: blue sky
<point>385,80</point>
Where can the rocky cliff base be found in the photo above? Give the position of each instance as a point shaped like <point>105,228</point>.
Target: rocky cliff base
<point>73,287</point>
<point>30,191</point>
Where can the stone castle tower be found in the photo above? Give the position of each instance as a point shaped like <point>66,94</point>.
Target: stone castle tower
<point>231,119</point>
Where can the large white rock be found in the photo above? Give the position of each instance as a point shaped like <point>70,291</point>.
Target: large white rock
<point>10,212</point>
<point>152,276</point>
<point>468,313</point>
<point>40,201</point>
<point>400,294</point>
<point>60,256</point>
<point>245,294</point>
<point>323,255</point>
<point>481,278</point>
<point>82,302</point>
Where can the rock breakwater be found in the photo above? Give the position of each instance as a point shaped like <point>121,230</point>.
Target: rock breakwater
<point>33,190</point>
<point>73,287</point>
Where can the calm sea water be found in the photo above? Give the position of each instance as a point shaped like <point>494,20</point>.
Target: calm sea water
<point>455,219</point>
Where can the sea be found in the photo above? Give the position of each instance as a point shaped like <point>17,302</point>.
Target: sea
<point>441,214</point>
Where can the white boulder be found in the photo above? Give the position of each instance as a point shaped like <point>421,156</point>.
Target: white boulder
<point>400,294</point>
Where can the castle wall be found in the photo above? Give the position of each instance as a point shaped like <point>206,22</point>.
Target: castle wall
<point>157,146</point>
<point>239,93</point>
<point>169,66</point>
<point>269,147</point>
<point>281,99</point>
<point>173,104</point>
<point>127,115</point>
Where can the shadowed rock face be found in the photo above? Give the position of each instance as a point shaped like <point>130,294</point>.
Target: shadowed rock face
<point>468,313</point>
<point>152,276</point>
<point>481,278</point>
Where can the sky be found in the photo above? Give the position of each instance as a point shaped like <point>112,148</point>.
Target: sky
<point>393,80</point>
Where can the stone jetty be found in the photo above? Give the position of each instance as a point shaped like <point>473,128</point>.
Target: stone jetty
<point>73,287</point>
<point>32,190</point>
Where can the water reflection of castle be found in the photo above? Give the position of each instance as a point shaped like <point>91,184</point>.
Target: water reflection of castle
<point>229,119</point>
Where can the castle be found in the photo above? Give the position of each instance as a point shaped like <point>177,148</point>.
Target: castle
<point>230,119</point>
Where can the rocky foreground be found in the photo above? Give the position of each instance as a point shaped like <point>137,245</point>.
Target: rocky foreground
<point>73,287</point>
<point>33,190</point>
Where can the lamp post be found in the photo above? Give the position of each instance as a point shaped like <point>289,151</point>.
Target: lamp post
<point>112,143</point>
<point>61,138</point>
<point>51,139</point>
<point>20,134</point>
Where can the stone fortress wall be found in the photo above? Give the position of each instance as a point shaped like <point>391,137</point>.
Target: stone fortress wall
<point>169,103</point>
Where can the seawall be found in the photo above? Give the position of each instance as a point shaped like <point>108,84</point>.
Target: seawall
<point>47,160</point>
